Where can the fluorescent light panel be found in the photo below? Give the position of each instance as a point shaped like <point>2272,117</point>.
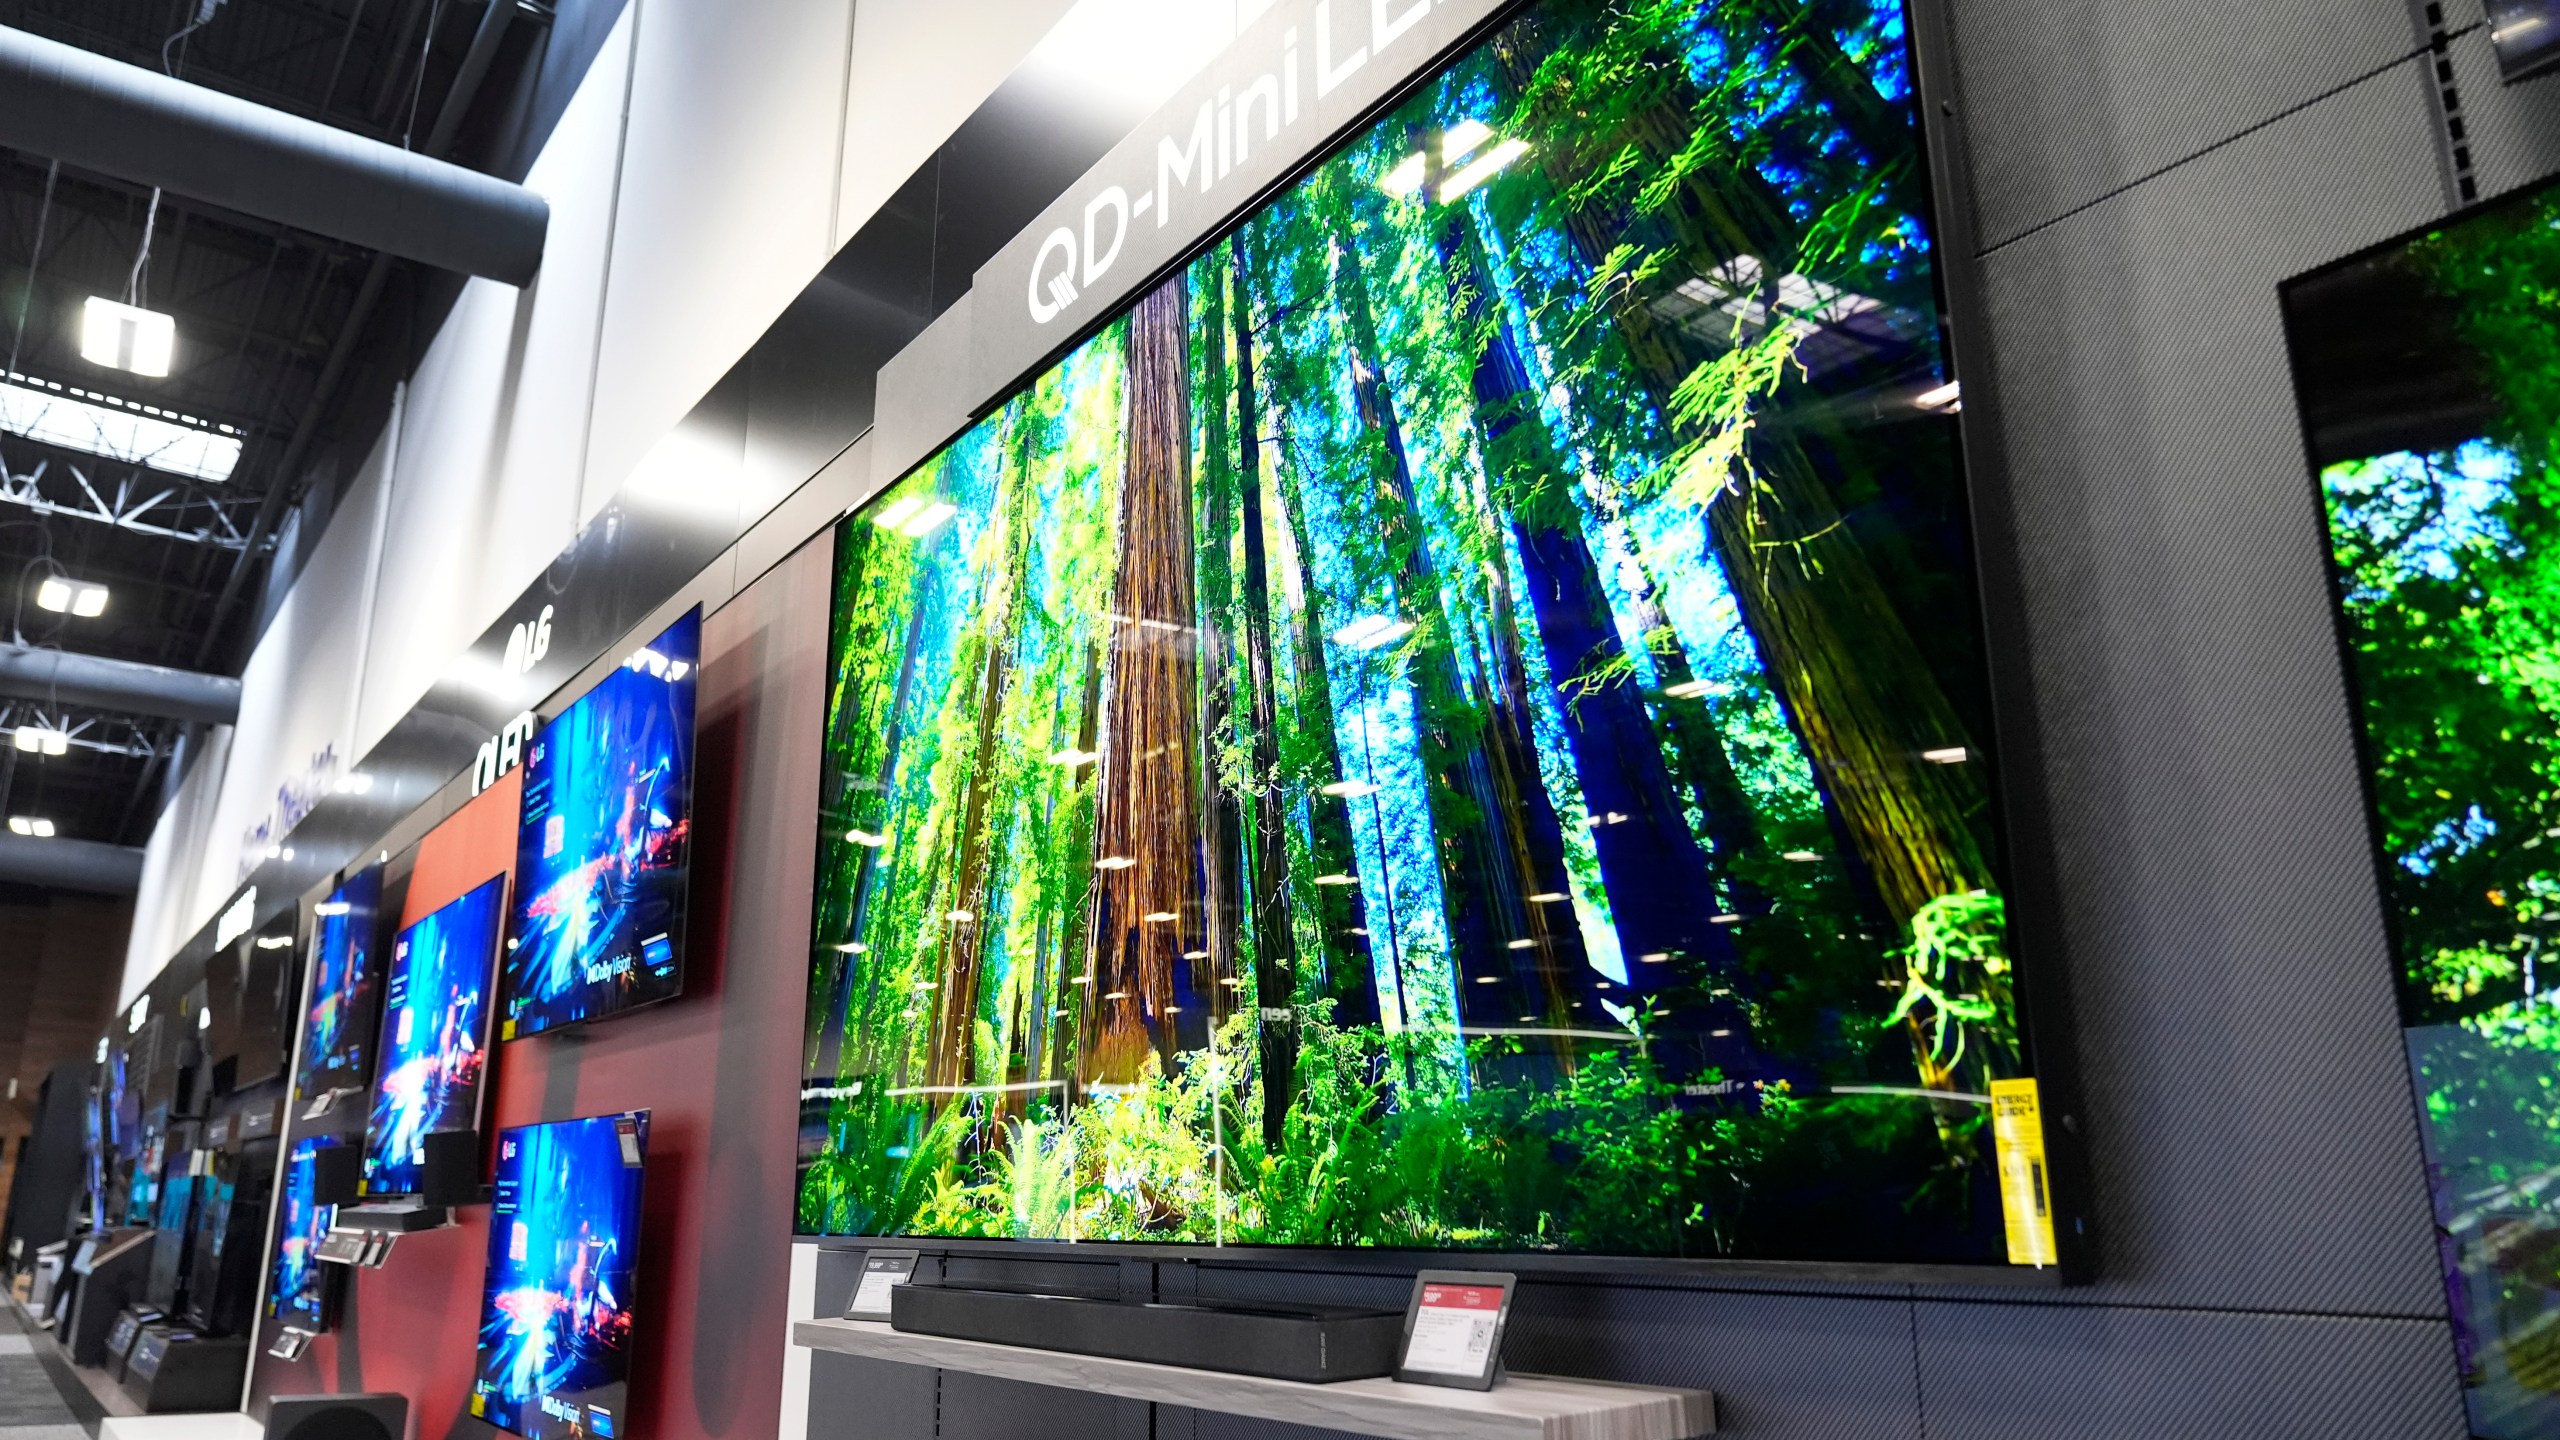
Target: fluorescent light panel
<point>117,429</point>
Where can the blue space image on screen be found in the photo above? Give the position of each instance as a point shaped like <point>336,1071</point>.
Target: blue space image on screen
<point>338,1028</point>
<point>600,848</point>
<point>555,1312</point>
<point>298,1293</point>
<point>435,1032</point>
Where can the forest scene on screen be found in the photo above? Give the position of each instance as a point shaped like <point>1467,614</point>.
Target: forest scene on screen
<point>555,1314</point>
<point>2442,495</point>
<point>600,844</point>
<point>435,1037</point>
<point>1459,720</point>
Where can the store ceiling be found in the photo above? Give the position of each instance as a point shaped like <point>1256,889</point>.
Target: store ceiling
<point>259,308</point>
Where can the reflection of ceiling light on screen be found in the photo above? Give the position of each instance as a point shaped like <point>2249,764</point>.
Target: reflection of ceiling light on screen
<point>125,337</point>
<point>1463,155</point>
<point>914,516</point>
<point>1370,632</point>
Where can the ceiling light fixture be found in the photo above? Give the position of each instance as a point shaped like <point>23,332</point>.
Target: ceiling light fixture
<point>71,597</point>
<point>127,337</point>
<point>36,739</point>
<point>31,825</point>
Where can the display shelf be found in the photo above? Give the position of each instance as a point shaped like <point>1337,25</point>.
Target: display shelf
<point>1524,1407</point>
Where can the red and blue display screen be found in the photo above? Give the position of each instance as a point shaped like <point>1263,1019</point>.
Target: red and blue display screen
<point>556,1309</point>
<point>601,845</point>
<point>435,1037</point>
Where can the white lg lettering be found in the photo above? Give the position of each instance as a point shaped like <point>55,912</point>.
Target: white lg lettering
<point>528,643</point>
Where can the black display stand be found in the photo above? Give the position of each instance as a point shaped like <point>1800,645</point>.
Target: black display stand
<point>1318,1344</point>
<point>108,1277</point>
<point>175,1370</point>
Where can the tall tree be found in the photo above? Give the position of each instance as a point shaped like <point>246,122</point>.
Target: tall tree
<point>1275,939</point>
<point>1222,846</point>
<point>1148,903</point>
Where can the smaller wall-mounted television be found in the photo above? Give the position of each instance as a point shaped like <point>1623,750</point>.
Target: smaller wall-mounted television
<point>597,925</point>
<point>435,1037</point>
<point>555,1312</point>
<point>339,1023</point>
<point>301,1293</point>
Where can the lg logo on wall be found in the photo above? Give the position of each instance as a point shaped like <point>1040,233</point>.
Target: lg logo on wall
<point>527,644</point>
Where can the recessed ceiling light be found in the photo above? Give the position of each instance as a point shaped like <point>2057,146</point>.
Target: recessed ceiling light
<point>31,825</point>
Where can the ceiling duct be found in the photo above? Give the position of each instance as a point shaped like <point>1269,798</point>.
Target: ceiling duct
<point>146,128</point>
<point>120,686</point>
<point>70,865</point>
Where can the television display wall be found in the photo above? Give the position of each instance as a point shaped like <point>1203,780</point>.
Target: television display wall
<point>342,1021</point>
<point>2429,375</point>
<point>1457,722</point>
<point>555,1314</point>
<point>435,1036</point>
<point>299,1291</point>
<point>600,853</point>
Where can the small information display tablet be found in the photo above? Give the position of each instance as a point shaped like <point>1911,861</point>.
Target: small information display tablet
<point>882,1271</point>
<point>1453,1329</point>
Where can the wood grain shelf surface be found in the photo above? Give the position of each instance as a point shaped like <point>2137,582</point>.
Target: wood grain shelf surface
<point>1523,1407</point>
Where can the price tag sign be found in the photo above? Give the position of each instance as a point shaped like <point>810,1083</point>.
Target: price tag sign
<point>1453,1329</point>
<point>882,1271</point>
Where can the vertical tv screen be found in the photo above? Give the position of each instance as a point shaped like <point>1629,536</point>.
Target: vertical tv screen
<point>598,921</point>
<point>435,1037</point>
<point>1458,721</point>
<point>298,1291</point>
<point>2429,377</point>
<point>556,1308</point>
<point>340,1024</point>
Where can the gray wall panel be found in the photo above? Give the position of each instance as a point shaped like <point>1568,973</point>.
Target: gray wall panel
<point>2068,103</point>
<point>2251,1127</point>
<point>2033,1373</point>
<point>980,1408</point>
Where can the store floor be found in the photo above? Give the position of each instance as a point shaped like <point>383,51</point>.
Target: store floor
<point>40,1398</point>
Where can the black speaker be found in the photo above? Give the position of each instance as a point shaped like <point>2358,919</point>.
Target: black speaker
<point>449,1172</point>
<point>337,1172</point>
<point>337,1417</point>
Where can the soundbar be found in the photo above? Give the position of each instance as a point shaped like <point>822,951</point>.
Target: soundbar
<point>1315,1343</point>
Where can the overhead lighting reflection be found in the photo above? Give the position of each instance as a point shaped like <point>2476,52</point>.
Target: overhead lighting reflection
<point>1687,689</point>
<point>1336,880</point>
<point>1071,757</point>
<point>275,942</point>
<point>1950,755</point>
<point>1371,632</point>
<point>331,907</point>
<point>1115,862</point>
<point>865,839</point>
<point>1349,789</point>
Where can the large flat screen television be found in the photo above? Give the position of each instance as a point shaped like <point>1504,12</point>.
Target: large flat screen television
<point>435,1036</point>
<point>598,922</point>
<point>1458,722</point>
<point>302,1291</point>
<point>341,1022</point>
<point>556,1308</point>
<point>2429,377</point>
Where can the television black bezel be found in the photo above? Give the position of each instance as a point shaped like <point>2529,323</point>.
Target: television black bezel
<point>380,964</point>
<point>2021,807</point>
<point>684,887</point>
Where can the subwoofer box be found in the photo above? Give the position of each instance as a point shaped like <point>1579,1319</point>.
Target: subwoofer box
<point>337,1417</point>
<point>1318,1343</point>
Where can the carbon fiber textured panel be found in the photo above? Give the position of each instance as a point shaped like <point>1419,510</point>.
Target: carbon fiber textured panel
<point>2252,1136</point>
<point>2034,1373</point>
<point>976,1407</point>
<point>850,1396</point>
<point>2067,103</point>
